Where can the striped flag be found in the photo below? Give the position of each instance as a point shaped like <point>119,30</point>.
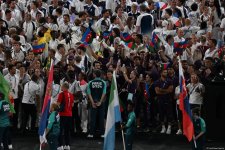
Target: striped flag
<point>87,37</point>
<point>113,116</point>
<point>38,48</point>
<point>126,37</point>
<point>164,66</point>
<point>4,89</point>
<point>180,46</point>
<point>161,5</point>
<point>188,127</point>
<point>46,106</point>
<point>176,21</point>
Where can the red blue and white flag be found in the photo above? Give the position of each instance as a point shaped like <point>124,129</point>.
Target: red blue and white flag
<point>46,106</point>
<point>188,128</point>
<point>180,46</point>
<point>161,5</point>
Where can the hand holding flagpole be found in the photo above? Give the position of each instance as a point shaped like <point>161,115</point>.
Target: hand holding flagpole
<point>124,146</point>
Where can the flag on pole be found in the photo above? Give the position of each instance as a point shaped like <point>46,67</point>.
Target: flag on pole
<point>176,21</point>
<point>4,89</point>
<point>188,127</point>
<point>180,46</point>
<point>87,37</point>
<point>38,48</point>
<point>46,106</point>
<point>113,116</point>
<point>161,5</point>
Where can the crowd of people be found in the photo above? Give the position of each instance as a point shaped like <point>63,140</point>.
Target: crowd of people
<point>87,40</point>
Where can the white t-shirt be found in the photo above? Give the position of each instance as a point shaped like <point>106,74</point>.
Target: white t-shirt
<point>13,83</point>
<point>195,92</point>
<point>31,89</point>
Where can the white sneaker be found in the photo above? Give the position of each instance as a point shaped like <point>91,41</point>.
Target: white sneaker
<point>102,136</point>
<point>1,144</point>
<point>84,131</point>
<point>67,147</point>
<point>168,130</point>
<point>163,129</point>
<point>179,132</point>
<point>10,146</point>
<point>90,136</point>
<point>60,148</point>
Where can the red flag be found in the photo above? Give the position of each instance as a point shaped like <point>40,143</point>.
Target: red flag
<point>188,127</point>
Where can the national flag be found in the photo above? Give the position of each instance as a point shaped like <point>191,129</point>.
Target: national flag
<point>107,34</point>
<point>126,37</point>
<point>38,48</point>
<point>180,46</point>
<point>46,106</point>
<point>161,5</point>
<point>113,116</point>
<point>131,45</point>
<point>188,128</point>
<point>164,66</point>
<point>4,89</point>
<point>87,37</point>
<point>176,21</point>
<point>154,43</point>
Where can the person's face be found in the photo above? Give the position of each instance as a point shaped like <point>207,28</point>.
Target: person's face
<point>173,4</point>
<point>206,11</point>
<point>208,63</point>
<point>16,47</point>
<point>13,4</point>
<point>65,19</point>
<point>80,77</point>
<point>129,108</point>
<point>109,75</point>
<point>13,70</point>
<point>132,75</point>
<point>190,69</point>
<point>134,8</point>
<point>164,73</point>
<point>31,55</point>
<point>180,33</point>
<point>136,61</point>
<point>194,39</point>
<point>211,3</point>
<point>37,72</point>
<point>97,66</point>
<point>147,78</point>
<point>185,65</point>
<point>27,17</point>
<point>171,71</point>
<point>151,6</point>
<point>22,70</point>
<point>62,51</point>
<point>194,78</point>
<point>38,64</point>
<point>106,14</point>
<point>38,16</point>
<point>120,11</point>
<point>9,15</point>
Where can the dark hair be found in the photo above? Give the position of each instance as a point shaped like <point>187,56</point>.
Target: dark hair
<point>97,73</point>
<point>218,8</point>
<point>214,41</point>
<point>140,37</point>
<point>116,31</point>
<point>34,78</point>
<point>169,11</point>
<point>143,8</point>
<point>130,103</point>
<point>10,66</point>
<point>113,18</point>
<point>7,11</point>
<point>110,71</point>
<point>118,7</point>
<point>168,37</point>
<point>67,15</point>
<point>196,111</point>
<point>194,7</point>
<point>35,3</point>
<point>96,62</point>
<point>53,18</point>
<point>105,10</point>
<point>60,46</point>
<point>106,53</point>
<point>81,14</point>
<point>203,25</point>
<point>58,10</point>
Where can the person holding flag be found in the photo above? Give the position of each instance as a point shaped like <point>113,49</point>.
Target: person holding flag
<point>53,127</point>
<point>199,130</point>
<point>130,126</point>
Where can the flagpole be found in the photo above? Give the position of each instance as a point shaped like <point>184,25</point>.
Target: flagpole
<point>124,146</point>
<point>194,142</point>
